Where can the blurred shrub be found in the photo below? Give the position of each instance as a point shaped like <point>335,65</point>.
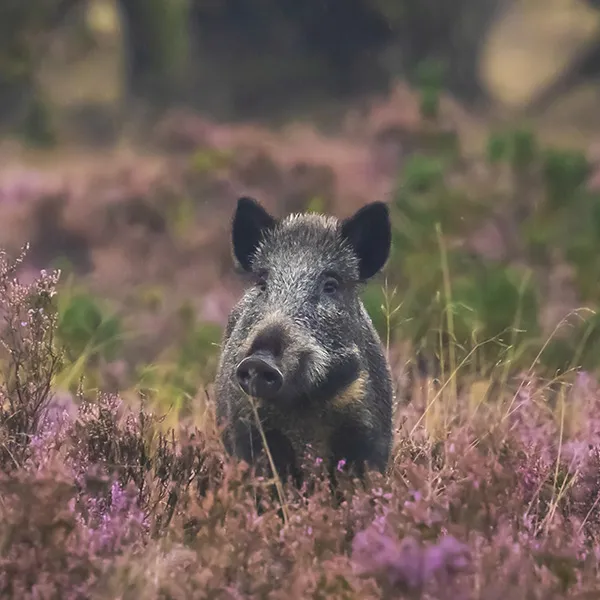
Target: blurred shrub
<point>173,380</point>
<point>429,80</point>
<point>88,331</point>
<point>210,160</point>
<point>539,200</point>
<point>83,326</point>
<point>199,345</point>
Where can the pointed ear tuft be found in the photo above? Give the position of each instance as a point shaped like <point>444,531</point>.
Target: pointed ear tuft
<point>370,235</point>
<point>250,222</point>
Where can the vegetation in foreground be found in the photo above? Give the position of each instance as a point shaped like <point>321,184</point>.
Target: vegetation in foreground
<point>98,500</point>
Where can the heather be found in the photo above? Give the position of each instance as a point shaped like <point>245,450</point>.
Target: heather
<point>101,499</point>
<point>114,479</point>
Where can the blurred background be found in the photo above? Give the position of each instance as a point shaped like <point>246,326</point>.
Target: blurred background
<point>128,128</point>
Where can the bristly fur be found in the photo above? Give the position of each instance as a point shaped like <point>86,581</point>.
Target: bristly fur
<point>303,307</point>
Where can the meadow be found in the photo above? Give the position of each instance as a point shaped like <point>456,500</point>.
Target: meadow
<point>489,499</point>
<point>114,483</point>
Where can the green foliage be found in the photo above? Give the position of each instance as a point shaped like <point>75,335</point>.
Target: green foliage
<point>429,79</point>
<point>207,160</point>
<point>199,348</point>
<point>84,327</point>
<point>89,334</point>
<point>578,347</point>
<point>423,199</point>
<point>150,297</point>
<point>518,148</point>
<point>179,216</point>
<point>497,148</point>
<point>423,174</point>
<point>564,174</point>
<point>495,304</point>
<point>199,345</point>
<point>317,204</point>
<point>466,299</point>
<point>523,148</point>
<point>162,26</point>
<point>174,379</point>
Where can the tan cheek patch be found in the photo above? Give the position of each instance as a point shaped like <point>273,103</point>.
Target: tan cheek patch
<point>353,394</point>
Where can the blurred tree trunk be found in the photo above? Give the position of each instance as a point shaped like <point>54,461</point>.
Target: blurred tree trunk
<point>157,38</point>
<point>24,27</point>
<point>158,41</point>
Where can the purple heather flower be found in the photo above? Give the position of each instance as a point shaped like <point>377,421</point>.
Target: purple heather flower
<point>406,563</point>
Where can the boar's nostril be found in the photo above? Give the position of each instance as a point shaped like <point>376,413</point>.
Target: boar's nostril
<point>259,377</point>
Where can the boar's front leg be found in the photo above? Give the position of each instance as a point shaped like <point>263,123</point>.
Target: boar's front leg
<point>355,443</point>
<point>360,424</point>
<point>246,443</point>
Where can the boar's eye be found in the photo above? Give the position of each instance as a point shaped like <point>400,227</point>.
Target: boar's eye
<point>330,286</point>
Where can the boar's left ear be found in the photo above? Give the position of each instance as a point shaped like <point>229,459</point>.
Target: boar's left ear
<point>250,221</point>
<point>370,234</point>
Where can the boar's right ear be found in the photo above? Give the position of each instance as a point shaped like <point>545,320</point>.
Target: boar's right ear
<point>370,234</point>
<point>250,221</point>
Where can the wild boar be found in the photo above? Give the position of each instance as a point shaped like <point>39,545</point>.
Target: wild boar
<point>300,346</point>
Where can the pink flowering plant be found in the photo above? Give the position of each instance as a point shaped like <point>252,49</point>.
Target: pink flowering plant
<point>98,499</point>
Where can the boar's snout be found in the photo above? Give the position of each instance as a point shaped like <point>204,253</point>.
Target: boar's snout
<point>258,376</point>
